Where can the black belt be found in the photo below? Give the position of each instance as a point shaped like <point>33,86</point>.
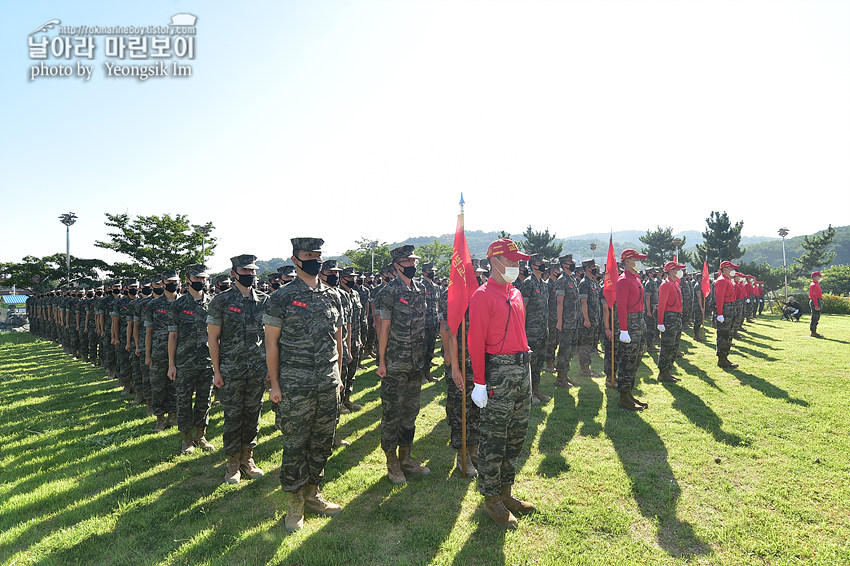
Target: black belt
<point>520,358</point>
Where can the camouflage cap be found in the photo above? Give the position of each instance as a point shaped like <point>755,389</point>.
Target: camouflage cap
<point>590,262</point>
<point>245,261</point>
<point>428,267</point>
<point>330,265</point>
<point>286,270</point>
<point>156,278</point>
<point>115,283</point>
<point>566,258</point>
<point>132,282</point>
<point>170,275</point>
<point>273,277</point>
<point>349,271</point>
<point>197,270</point>
<point>225,278</point>
<point>99,285</point>
<point>146,282</point>
<point>388,269</point>
<point>403,252</point>
<point>307,244</point>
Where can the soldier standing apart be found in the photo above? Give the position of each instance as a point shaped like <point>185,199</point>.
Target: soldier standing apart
<point>502,367</point>
<point>566,294</point>
<point>235,338</point>
<point>163,392</point>
<point>588,332</point>
<point>724,296</point>
<point>401,311</point>
<point>669,320</point>
<point>189,364</point>
<point>535,297</point>
<point>815,296</point>
<point>303,337</point>
<point>632,325</point>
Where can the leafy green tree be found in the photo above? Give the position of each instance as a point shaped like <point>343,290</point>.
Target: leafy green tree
<point>157,243</point>
<point>361,258</point>
<point>503,235</point>
<point>51,271</point>
<point>661,246</point>
<point>540,243</point>
<point>815,255</point>
<point>439,254</point>
<point>773,277</point>
<point>721,241</point>
<point>836,280</point>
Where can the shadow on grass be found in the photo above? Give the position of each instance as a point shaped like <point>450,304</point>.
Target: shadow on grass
<point>754,353</point>
<point>700,414</point>
<point>691,369</point>
<point>765,387</point>
<point>644,458</point>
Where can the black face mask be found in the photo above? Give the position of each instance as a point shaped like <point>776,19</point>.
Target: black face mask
<point>311,266</point>
<point>524,271</point>
<point>197,285</point>
<point>90,294</point>
<point>132,292</point>
<point>146,291</point>
<point>247,280</point>
<point>276,285</point>
<point>223,288</point>
<point>332,279</point>
<point>171,287</point>
<point>594,272</point>
<point>387,279</point>
<point>429,274</point>
<point>158,291</point>
<point>116,291</point>
<point>99,293</point>
<point>408,271</point>
<point>349,284</point>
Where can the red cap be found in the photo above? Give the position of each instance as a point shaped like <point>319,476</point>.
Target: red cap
<point>671,265</point>
<point>749,276</point>
<point>727,263</point>
<point>631,254</point>
<point>508,249</point>
<point>816,273</point>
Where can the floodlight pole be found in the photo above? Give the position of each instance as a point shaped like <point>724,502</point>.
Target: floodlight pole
<point>68,219</point>
<point>784,232</point>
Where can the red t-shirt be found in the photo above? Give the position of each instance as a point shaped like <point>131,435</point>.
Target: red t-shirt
<point>629,298</point>
<point>740,290</point>
<point>724,292</point>
<point>496,324</point>
<point>815,293</point>
<point>669,299</point>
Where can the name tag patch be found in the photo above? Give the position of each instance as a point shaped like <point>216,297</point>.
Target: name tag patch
<point>190,313</point>
<point>299,304</point>
<point>403,300</point>
<point>162,311</point>
<point>234,309</point>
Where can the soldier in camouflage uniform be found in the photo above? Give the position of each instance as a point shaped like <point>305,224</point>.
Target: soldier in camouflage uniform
<point>535,296</point>
<point>189,364</point>
<point>698,308</point>
<point>122,331</point>
<point>355,343</point>
<point>303,330</point>
<point>568,308</point>
<point>456,387</point>
<point>632,326</point>
<point>650,287</point>
<point>401,307</point>
<point>610,344</point>
<point>552,325</point>
<point>432,323</point>
<point>724,288</point>
<point>156,318</point>
<point>329,275</point>
<point>588,331</point>
<point>141,379</point>
<point>95,352</point>
<point>105,313</point>
<point>686,285</point>
<point>502,368</point>
<point>669,320</point>
<point>82,334</point>
<point>235,336</point>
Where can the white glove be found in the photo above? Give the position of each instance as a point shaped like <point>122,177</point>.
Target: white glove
<point>479,395</point>
<point>661,328</point>
<point>748,300</point>
<point>720,318</point>
<point>624,336</point>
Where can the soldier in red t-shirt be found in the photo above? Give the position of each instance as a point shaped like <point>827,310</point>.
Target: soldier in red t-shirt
<point>815,295</point>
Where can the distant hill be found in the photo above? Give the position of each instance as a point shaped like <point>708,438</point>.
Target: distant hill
<point>771,251</point>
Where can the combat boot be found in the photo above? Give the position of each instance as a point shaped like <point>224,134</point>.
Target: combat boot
<point>472,451</point>
<point>343,410</point>
<point>127,389</point>
<point>295,512</point>
<point>513,504</point>
<point>201,441</point>
<point>351,406</point>
<point>409,465</point>
<point>339,442</point>
<point>231,472</point>
<point>536,394</point>
<point>172,420</point>
<point>471,472</point>
<point>640,404</point>
<point>139,399</point>
<point>160,423</point>
<point>314,502</point>
<point>394,469</point>
<point>627,403</point>
<point>587,372</point>
<point>562,380</point>
<point>664,376</point>
<point>723,362</point>
<point>188,442</point>
<point>150,408</point>
<point>495,507</point>
<point>247,465</point>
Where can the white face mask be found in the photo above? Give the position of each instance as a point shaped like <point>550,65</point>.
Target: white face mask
<point>732,273</point>
<point>510,274</point>
<point>639,266</point>
<point>677,273</point>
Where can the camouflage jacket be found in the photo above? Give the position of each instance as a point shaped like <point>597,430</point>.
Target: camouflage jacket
<point>589,290</point>
<point>431,297</point>
<point>123,309</point>
<point>241,350</point>
<point>356,318</point>
<point>188,318</point>
<point>308,320</point>
<point>553,301</point>
<point>405,310</point>
<point>535,293</point>
<point>156,317</point>
<point>566,286</point>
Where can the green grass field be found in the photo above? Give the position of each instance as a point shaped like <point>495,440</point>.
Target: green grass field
<point>84,480</point>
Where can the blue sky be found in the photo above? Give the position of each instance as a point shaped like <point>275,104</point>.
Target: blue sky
<point>367,119</point>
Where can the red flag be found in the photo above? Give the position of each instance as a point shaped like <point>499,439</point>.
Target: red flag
<point>705,285</point>
<point>612,274</point>
<point>462,281</point>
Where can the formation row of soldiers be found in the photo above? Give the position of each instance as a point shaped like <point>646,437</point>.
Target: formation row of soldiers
<point>305,339</point>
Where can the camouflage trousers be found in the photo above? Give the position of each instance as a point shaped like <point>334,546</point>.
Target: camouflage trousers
<point>736,310</point>
<point>83,340</point>
<point>136,365</point>
<point>95,352</point>
<point>724,336</point>
<point>430,344</point>
<point>567,339</point>
<point>670,341</point>
<point>163,391</point>
<point>698,320</point>
<point>813,323</point>
<point>588,338</point>
<point>552,342</point>
<point>193,384</point>
<point>504,425</point>
<point>107,351</point>
<point>537,343</point>
<point>454,411</point>
<point>631,353</point>
<point>308,416</point>
<point>606,363</point>
<point>241,398</point>
<point>73,338</point>
<point>400,406</point>
<point>123,369</point>
<point>651,332</point>
<point>349,370</point>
